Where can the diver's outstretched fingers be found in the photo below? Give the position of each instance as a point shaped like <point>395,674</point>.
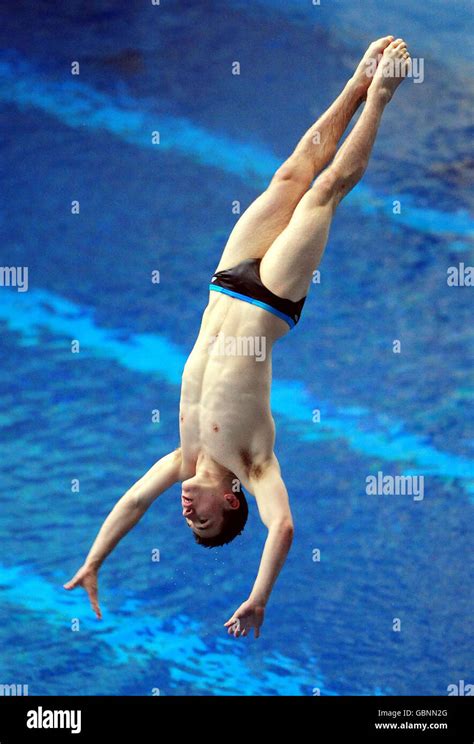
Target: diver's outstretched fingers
<point>87,578</point>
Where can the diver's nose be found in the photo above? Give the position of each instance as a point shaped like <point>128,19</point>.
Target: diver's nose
<point>187,511</point>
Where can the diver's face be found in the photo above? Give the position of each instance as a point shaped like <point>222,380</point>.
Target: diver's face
<point>204,504</point>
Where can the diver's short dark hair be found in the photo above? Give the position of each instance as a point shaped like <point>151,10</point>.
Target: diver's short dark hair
<point>233,525</point>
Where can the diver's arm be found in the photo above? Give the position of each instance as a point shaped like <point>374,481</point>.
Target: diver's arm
<point>273,505</point>
<point>132,506</point>
<point>274,509</point>
<point>125,515</point>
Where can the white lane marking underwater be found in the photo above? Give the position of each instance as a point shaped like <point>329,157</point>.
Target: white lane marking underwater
<point>217,668</point>
<point>154,354</point>
<point>80,105</point>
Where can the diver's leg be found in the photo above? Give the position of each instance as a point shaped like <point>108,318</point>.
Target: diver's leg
<point>288,265</point>
<point>270,213</point>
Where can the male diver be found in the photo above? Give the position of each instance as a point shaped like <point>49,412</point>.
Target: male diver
<point>258,290</point>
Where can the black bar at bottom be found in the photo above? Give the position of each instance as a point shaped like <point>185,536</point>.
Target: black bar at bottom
<point>150,719</point>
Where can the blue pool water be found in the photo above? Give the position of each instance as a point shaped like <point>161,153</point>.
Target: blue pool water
<point>87,416</point>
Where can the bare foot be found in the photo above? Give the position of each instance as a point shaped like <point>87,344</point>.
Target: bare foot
<point>392,69</point>
<point>366,68</point>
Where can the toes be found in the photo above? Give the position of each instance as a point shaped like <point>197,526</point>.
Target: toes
<point>396,45</point>
<point>399,47</point>
<point>392,47</point>
<point>381,43</point>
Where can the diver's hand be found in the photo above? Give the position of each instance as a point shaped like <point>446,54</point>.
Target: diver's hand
<point>87,578</point>
<point>249,615</point>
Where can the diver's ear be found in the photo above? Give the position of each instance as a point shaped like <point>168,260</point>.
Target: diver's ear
<point>232,500</point>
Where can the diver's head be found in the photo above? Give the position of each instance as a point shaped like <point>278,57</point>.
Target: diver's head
<point>214,507</point>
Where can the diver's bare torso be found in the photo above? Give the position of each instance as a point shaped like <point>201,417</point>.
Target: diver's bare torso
<point>225,397</point>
